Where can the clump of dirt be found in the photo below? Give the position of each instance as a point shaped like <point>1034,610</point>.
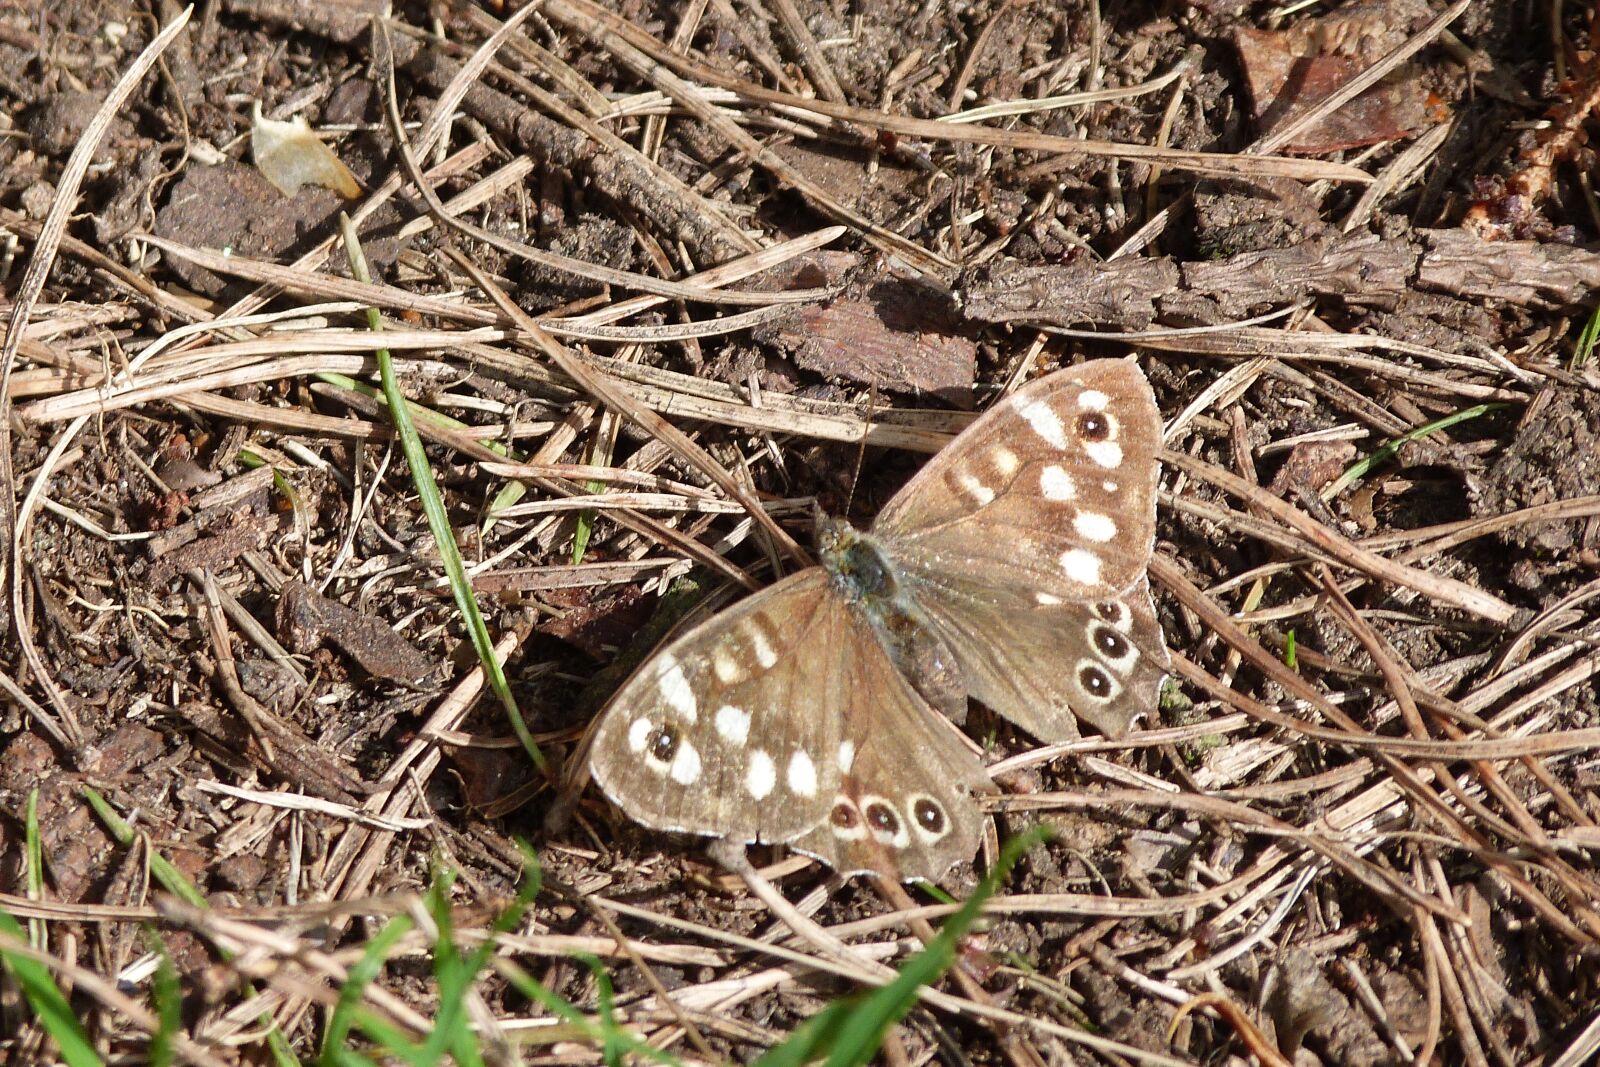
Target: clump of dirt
<point>1554,456</point>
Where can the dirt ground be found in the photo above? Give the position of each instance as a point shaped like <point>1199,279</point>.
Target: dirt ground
<point>1358,827</point>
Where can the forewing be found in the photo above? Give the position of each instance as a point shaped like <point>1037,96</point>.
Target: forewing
<point>1042,661</point>
<point>1052,491</point>
<point>733,729</point>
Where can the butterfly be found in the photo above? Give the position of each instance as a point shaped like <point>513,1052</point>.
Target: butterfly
<point>1010,569</point>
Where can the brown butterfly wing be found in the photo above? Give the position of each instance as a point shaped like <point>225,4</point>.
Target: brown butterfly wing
<point>1052,491</point>
<point>1042,665</point>
<point>1025,545</point>
<point>903,805</point>
<point>733,729</point>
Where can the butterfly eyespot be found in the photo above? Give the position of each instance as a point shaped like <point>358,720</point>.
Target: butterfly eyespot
<point>1093,426</point>
<point>845,821</point>
<point>1095,682</point>
<point>885,823</point>
<point>929,818</point>
<point>1111,643</point>
<point>666,752</point>
<point>662,745</point>
<point>1111,611</point>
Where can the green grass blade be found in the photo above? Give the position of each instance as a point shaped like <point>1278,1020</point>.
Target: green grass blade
<point>282,1054</point>
<point>584,529</point>
<point>348,1058</point>
<point>851,1030</point>
<point>509,493</point>
<point>1588,337</point>
<point>433,507</point>
<point>418,412</point>
<point>366,970</point>
<point>34,851</point>
<point>613,1038</point>
<point>171,879</point>
<point>455,974</point>
<point>166,994</point>
<point>49,1004</point>
<point>581,1026</point>
<point>390,1040</point>
<point>1362,467</point>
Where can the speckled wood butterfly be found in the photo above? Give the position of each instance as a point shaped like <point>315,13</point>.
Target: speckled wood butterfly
<point>1010,569</point>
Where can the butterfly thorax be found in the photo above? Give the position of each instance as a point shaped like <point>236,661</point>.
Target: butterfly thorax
<point>866,576</point>
<point>857,563</point>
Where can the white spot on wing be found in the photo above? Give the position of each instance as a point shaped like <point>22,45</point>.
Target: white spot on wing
<point>1093,400</point>
<point>1081,565</point>
<point>639,731</point>
<point>847,756</point>
<point>1005,461</point>
<point>1045,422</point>
<point>802,775</point>
<point>726,666</point>
<point>674,687</point>
<point>1093,526</point>
<point>1106,453</point>
<point>1047,600</point>
<point>761,776</point>
<point>733,725</point>
<point>1057,484</point>
<point>975,489</point>
<point>685,764</point>
<point>765,654</point>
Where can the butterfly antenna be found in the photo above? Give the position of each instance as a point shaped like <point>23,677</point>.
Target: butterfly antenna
<point>861,447</point>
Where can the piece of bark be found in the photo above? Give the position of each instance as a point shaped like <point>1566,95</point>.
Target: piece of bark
<point>1363,269</point>
<point>307,620</point>
<point>894,335</point>
<point>1124,292</point>
<point>337,20</point>
<point>1360,270</point>
<point>1312,465</point>
<point>237,534</point>
<point>1525,273</point>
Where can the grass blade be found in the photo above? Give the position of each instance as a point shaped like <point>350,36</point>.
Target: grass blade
<point>433,507</point>
<point>49,1004</point>
<point>851,1030</point>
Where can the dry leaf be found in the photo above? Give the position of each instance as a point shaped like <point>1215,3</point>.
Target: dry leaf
<point>289,155</point>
